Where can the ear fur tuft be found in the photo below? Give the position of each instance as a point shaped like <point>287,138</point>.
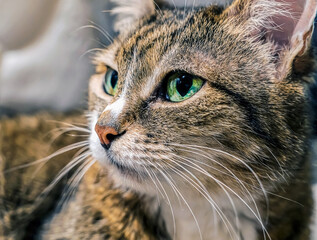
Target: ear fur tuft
<point>284,24</point>
<point>128,11</point>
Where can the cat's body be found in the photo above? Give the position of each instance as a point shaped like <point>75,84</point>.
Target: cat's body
<point>99,212</point>
<point>23,141</point>
<point>199,127</point>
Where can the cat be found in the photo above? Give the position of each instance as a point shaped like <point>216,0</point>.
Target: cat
<point>199,126</point>
<point>25,142</point>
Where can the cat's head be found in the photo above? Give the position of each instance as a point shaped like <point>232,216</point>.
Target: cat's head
<point>206,95</point>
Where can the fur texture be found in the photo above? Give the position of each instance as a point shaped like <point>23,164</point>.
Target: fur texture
<point>129,11</point>
<point>232,161</point>
<point>250,118</point>
<point>23,140</point>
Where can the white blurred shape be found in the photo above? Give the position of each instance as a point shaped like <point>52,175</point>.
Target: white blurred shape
<point>41,65</point>
<point>22,21</point>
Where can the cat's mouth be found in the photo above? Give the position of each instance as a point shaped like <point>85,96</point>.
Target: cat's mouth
<point>124,169</point>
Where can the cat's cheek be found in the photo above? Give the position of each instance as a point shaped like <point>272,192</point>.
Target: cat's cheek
<point>96,149</point>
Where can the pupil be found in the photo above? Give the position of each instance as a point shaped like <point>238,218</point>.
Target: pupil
<point>114,79</point>
<point>183,84</point>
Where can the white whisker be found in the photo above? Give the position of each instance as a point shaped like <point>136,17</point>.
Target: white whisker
<point>179,193</point>
<point>99,29</point>
<point>58,152</point>
<point>199,169</point>
<point>168,200</point>
<point>241,161</point>
<point>90,51</point>
<point>218,163</point>
<point>64,171</point>
<point>74,181</point>
<point>202,190</point>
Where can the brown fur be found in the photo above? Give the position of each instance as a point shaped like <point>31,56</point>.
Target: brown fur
<point>208,44</point>
<point>251,116</point>
<point>105,213</point>
<point>23,140</point>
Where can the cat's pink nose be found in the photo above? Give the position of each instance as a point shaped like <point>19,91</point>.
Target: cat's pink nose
<point>106,135</point>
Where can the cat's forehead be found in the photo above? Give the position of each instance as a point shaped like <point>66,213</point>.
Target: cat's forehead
<point>193,42</point>
<point>167,30</point>
<point>165,42</point>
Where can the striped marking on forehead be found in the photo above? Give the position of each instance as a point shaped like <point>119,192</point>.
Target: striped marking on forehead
<point>165,26</point>
<point>144,58</point>
<point>155,78</point>
<point>128,79</point>
<point>144,51</point>
<point>149,36</point>
<point>157,29</point>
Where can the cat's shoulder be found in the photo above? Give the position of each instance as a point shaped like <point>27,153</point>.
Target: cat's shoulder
<point>25,172</point>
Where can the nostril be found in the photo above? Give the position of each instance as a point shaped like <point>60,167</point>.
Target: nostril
<point>106,135</point>
<point>111,137</point>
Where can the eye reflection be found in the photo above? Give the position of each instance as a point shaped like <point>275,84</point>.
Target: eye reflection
<point>110,83</point>
<point>181,86</point>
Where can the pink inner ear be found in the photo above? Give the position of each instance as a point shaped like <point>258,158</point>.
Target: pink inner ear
<point>289,30</point>
<point>306,22</point>
<point>287,25</point>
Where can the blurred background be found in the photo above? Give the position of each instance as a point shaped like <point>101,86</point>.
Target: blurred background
<point>44,63</point>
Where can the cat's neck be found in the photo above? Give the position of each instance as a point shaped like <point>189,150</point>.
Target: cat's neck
<point>191,216</point>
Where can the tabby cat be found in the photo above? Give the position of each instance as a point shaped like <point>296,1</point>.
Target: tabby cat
<point>199,126</point>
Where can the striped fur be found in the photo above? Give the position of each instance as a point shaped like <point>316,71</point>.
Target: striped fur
<point>237,150</point>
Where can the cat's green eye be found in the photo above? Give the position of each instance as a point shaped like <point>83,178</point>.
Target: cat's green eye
<point>110,83</point>
<point>181,86</point>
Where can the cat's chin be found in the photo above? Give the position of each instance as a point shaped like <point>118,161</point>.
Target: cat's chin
<point>127,172</point>
<point>122,175</point>
<point>126,178</point>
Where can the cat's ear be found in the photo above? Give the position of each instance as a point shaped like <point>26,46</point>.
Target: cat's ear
<point>285,24</point>
<point>129,11</point>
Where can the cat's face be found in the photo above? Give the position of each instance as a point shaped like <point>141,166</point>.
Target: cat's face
<point>182,96</point>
